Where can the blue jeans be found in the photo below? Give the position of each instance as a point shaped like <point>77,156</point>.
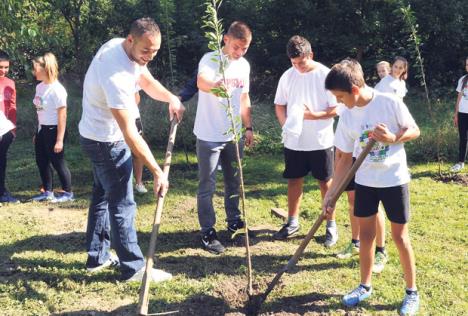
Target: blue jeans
<point>208,155</point>
<point>112,210</point>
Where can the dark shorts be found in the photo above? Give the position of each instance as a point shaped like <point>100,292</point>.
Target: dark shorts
<point>351,185</point>
<point>139,126</point>
<point>298,164</point>
<point>394,199</point>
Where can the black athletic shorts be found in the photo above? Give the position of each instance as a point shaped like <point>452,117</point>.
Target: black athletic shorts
<point>139,126</point>
<point>351,184</point>
<point>394,199</point>
<point>298,164</point>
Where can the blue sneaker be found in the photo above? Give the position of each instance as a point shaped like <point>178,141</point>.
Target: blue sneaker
<point>7,198</point>
<point>357,295</point>
<point>43,196</point>
<point>410,305</point>
<point>65,197</point>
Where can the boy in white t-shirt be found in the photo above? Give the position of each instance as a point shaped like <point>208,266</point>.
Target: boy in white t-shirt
<point>214,143</point>
<point>383,175</point>
<point>305,111</point>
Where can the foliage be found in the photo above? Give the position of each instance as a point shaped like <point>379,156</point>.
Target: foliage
<point>369,30</point>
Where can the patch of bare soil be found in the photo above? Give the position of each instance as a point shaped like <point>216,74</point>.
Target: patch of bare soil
<point>233,291</point>
<point>453,178</point>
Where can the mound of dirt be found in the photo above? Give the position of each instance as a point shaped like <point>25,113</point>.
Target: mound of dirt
<point>453,178</point>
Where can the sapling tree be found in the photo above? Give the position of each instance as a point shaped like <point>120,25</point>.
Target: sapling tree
<point>214,34</point>
<point>411,22</point>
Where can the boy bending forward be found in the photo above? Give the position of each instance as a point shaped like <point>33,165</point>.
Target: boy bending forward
<point>383,176</point>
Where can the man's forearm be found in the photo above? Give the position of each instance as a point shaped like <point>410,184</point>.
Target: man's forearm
<point>246,107</point>
<point>320,115</point>
<point>134,140</point>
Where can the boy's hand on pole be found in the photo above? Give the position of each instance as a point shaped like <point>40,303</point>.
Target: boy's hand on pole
<point>327,208</point>
<point>382,134</point>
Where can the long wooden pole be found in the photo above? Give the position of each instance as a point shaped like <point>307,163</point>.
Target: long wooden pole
<point>300,250</point>
<point>145,285</point>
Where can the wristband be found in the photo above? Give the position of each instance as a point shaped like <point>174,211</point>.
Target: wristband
<point>249,129</point>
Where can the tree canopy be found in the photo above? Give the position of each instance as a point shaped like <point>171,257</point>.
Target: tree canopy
<point>368,30</point>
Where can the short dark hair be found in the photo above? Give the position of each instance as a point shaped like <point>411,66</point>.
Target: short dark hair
<point>344,75</point>
<point>144,25</point>
<point>240,30</point>
<point>298,46</point>
<point>4,56</point>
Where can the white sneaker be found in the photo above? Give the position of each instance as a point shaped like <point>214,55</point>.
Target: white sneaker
<point>457,167</point>
<point>140,188</point>
<point>156,276</point>
<point>113,261</point>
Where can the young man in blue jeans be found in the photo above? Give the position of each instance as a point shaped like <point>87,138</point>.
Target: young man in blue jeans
<point>108,133</point>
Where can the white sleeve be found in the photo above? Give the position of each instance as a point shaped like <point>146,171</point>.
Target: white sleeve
<point>118,86</point>
<point>404,117</point>
<point>344,140</point>
<point>331,99</point>
<point>246,87</point>
<point>383,86</point>
<point>281,97</point>
<point>340,108</point>
<point>59,97</point>
<point>459,85</point>
<point>206,66</point>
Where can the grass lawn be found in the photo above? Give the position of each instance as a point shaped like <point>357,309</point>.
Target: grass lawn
<point>42,249</point>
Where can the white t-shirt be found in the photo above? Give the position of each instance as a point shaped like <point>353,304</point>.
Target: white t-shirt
<point>463,106</point>
<point>389,84</point>
<point>211,121</point>
<point>109,83</point>
<point>135,110</point>
<point>385,166</point>
<point>297,89</point>
<point>48,98</point>
<point>5,124</point>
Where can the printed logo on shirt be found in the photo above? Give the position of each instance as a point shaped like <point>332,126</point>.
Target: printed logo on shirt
<point>39,103</point>
<point>465,92</point>
<point>234,83</point>
<point>379,151</point>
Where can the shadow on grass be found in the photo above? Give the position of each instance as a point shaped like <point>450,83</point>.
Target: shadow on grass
<point>173,252</point>
<point>321,303</point>
<point>194,305</point>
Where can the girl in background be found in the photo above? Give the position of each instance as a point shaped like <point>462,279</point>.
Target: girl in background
<point>395,81</point>
<point>383,69</point>
<point>51,106</point>
<point>460,118</point>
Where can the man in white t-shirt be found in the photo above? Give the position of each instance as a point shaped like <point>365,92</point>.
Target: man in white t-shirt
<point>383,175</point>
<point>305,111</point>
<point>108,133</point>
<point>214,141</point>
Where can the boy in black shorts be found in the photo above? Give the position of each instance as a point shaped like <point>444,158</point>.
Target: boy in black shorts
<point>305,111</point>
<point>383,175</point>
